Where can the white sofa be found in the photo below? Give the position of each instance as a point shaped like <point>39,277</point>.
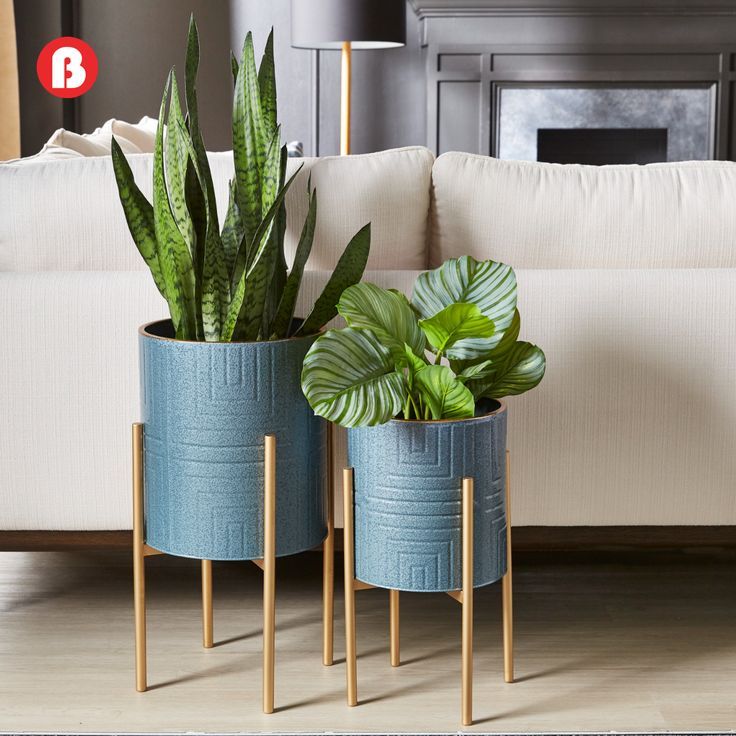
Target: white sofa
<point>627,279</point>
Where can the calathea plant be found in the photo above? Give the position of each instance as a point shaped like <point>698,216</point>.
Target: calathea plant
<point>462,315</point>
<point>228,284</point>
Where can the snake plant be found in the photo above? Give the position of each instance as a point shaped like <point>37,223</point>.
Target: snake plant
<point>231,283</point>
<point>434,357</point>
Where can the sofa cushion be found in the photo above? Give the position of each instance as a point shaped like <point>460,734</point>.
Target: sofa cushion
<point>537,215</point>
<point>64,215</point>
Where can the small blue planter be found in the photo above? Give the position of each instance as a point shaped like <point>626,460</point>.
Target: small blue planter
<point>408,502</point>
<point>206,408</point>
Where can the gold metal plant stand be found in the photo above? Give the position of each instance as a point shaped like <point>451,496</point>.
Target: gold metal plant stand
<point>463,596</point>
<point>141,550</point>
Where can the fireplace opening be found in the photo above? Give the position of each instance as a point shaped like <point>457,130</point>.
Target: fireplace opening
<point>600,146</point>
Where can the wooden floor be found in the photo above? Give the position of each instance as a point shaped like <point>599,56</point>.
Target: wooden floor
<point>626,643</point>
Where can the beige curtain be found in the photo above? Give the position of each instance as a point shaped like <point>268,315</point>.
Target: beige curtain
<point>9,105</point>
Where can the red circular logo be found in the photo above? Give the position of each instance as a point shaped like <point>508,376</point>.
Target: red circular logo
<point>67,67</point>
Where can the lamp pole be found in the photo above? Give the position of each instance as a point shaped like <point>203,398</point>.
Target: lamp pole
<point>346,71</point>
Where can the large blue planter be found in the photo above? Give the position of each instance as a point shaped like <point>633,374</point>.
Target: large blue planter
<point>408,501</point>
<point>206,408</point>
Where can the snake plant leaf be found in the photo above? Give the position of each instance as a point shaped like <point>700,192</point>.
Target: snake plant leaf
<point>248,148</point>
<point>191,67</point>
<point>349,378</point>
<point>139,216</point>
<point>278,279</point>
<point>274,171</point>
<point>232,230</point>
<point>174,255</point>
<point>176,166</point>
<point>271,179</point>
<point>448,330</point>
<point>386,312</point>
<point>477,371</point>
<point>488,284</point>
<point>522,370</point>
<point>267,88</point>
<point>256,278</point>
<point>285,314</point>
<point>446,397</point>
<point>348,271</point>
<point>234,66</point>
<point>212,285</point>
<point>249,251</point>
<point>215,287</point>
<point>197,206</point>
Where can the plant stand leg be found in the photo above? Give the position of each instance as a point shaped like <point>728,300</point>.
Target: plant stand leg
<point>349,566</point>
<point>507,589</point>
<point>139,562</point>
<point>269,572</point>
<point>207,625</point>
<point>394,627</point>
<point>328,563</point>
<point>467,603</point>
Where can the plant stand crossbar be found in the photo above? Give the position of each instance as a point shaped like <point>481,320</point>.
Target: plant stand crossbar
<point>267,564</point>
<point>463,596</point>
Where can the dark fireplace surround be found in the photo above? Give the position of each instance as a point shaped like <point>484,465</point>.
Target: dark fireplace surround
<point>587,82</point>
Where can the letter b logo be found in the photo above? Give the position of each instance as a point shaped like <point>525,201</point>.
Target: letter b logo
<point>67,67</point>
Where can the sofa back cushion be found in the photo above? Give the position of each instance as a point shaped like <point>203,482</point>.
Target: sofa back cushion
<point>64,215</point>
<point>537,215</point>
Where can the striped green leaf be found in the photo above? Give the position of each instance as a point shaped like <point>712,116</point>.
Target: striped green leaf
<point>348,271</point>
<point>249,150</point>
<point>386,312</point>
<point>174,255</point>
<point>191,68</point>
<point>234,66</point>
<point>197,206</point>
<point>267,88</point>
<point>176,166</point>
<point>253,280</point>
<point>521,371</point>
<point>139,215</point>
<point>349,378</point>
<point>212,285</point>
<point>443,394</point>
<point>271,179</point>
<point>278,280</point>
<point>489,285</point>
<point>282,323</point>
<point>232,230</point>
<point>453,331</point>
<point>476,372</point>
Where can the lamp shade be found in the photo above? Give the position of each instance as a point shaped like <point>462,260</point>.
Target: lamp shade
<point>367,24</point>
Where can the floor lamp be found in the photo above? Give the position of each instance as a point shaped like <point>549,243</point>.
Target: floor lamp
<point>347,25</point>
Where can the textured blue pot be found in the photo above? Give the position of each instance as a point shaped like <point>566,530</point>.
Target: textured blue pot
<point>408,501</point>
<point>206,408</point>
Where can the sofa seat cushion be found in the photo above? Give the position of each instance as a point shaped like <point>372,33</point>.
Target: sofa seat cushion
<point>83,227</point>
<point>537,215</point>
<point>634,423</point>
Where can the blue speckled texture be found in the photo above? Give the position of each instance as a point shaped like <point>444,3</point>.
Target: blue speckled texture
<point>206,408</point>
<point>408,493</point>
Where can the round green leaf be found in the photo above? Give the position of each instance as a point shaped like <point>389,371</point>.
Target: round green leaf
<point>446,397</point>
<point>449,329</point>
<point>521,371</point>
<point>477,371</point>
<point>350,378</point>
<point>489,285</point>
<point>386,313</point>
